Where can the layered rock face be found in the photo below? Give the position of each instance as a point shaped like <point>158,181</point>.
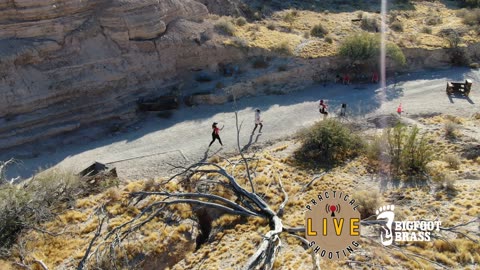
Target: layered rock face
<point>65,64</point>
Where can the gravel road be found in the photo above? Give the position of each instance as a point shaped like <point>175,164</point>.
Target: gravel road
<point>145,150</point>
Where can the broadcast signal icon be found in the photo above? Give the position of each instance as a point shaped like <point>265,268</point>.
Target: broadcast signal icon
<point>332,208</point>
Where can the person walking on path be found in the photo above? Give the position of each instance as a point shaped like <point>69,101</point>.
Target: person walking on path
<point>258,121</point>
<point>215,134</point>
<point>323,108</point>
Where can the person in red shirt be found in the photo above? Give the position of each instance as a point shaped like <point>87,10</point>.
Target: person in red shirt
<point>375,77</point>
<point>215,134</point>
<point>323,108</point>
<point>346,79</point>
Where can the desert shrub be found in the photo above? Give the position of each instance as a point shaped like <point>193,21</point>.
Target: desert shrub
<point>329,39</point>
<point>26,205</point>
<point>271,26</point>
<point>239,42</point>
<point>318,31</point>
<point>328,142</point>
<point>452,160</point>
<point>450,129</point>
<point>397,26</point>
<point>225,27</point>
<point>472,17</point>
<point>444,181</point>
<point>283,47</point>
<point>368,202</point>
<point>369,24</point>
<point>290,17</point>
<point>427,30</point>
<point>306,35</point>
<point>240,21</point>
<point>407,151</point>
<point>365,47</point>
<point>433,20</point>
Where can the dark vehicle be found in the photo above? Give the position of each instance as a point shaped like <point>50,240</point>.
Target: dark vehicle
<point>459,87</point>
<point>163,103</point>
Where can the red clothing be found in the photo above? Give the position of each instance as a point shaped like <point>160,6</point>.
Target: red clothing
<point>375,77</point>
<point>216,130</point>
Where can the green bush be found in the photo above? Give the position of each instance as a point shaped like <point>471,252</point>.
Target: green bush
<point>365,47</point>
<point>318,31</point>
<point>407,151</point>
<point>225,27</point>
<point>328,142</point>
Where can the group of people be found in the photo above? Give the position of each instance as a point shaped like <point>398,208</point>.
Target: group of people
<point>323,109</point>
<point>216,130</point>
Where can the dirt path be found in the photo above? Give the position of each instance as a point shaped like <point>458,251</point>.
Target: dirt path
<point>184,137</point>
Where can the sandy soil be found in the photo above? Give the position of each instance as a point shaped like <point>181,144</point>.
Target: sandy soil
<point>144,151</point>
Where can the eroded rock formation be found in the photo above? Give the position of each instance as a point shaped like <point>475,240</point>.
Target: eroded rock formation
<point>65,64</point>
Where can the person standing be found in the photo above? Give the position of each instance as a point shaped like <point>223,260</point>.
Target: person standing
<point>346,79</point>
<point>258,121</point>
<point>215,134</point>
<point>323,108</point>
<point>375,77</point>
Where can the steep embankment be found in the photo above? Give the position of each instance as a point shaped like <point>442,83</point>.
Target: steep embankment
<point>67,64</point>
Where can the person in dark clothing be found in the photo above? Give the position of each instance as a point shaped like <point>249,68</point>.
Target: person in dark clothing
<point>215,134</point>
<point>323,108</point>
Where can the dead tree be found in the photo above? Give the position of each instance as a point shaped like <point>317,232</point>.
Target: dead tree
<point>243,202</point>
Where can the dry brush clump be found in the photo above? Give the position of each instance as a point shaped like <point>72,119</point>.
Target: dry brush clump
<point>26,205</point>
<point>328,143</point>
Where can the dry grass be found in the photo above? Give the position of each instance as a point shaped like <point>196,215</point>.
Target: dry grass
<point>292,25</point>
<point>234,239</point>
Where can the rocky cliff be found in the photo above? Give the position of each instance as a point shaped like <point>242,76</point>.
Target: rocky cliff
<point>65,64</point>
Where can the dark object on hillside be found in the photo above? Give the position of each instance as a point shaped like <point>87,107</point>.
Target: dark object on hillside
<point>98,176</point>
<point>96,168</point>
<point>191,100</point>
<point>460,87</point>
<point>162,103</point>
<point>203,77</point>
<point>227,70</point>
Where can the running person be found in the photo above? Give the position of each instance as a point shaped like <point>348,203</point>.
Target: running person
<point>215,134</point>
<point>258,122</point>
<point>323,108</point>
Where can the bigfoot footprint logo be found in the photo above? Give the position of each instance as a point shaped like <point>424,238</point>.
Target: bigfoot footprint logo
<point>386,212</point>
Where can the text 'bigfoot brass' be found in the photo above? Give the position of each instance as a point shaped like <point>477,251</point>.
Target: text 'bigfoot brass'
<point>332,224</point>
